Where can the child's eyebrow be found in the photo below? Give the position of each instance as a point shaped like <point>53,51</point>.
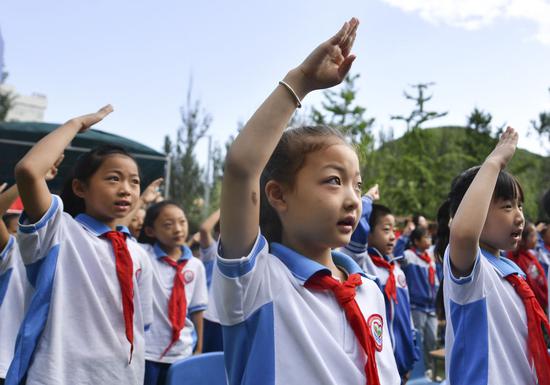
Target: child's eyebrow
<point>120,172</point>
<point>339,168</point>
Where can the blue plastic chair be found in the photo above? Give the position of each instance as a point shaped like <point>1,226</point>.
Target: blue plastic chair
<point>204,369</point>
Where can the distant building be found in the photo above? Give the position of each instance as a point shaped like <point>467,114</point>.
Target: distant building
<point>25,108</point>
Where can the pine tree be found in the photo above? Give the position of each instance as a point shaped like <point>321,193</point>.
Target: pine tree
<point>419,115</point>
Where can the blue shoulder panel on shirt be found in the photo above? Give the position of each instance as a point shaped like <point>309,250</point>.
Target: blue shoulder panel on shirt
<point>234,268</point>
<point>35,320</point>
<point>31,228</point>
<point>470,354</point>
<point>249,349</point>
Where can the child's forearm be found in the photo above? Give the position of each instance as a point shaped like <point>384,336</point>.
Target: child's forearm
<point>42,156</point>
<point>254,145</point>
<point>198,320</point>
<point>470,217</point>
<point>7,198</point>
<point>206,229</point>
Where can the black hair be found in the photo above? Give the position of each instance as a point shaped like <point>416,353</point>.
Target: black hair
<point>287,159</point>
<point>416,218</point>
<point>506,187</point>
<point>85,167</point>
<point>417,234</point>
<point>150,217</point>
<point>378,211</point>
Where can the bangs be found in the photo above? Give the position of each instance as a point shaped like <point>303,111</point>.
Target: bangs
<point>508,188</point>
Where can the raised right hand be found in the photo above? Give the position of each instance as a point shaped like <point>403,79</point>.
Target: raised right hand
<point>330,62</point>
<point>86,121</point>
<point>505,148</point>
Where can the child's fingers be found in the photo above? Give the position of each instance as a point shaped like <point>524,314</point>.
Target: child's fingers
<point>336,39</point>
<point>346,66</point>
<point>105,110</point>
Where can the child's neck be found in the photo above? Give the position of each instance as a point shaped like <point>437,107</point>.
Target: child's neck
<point>494,251</point>
<point>318,254</point>
<point>112,223</point>
<point>172,252</point>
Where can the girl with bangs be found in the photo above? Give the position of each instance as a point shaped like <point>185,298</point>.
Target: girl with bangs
<point>495,324</point>
<point>293,311</point>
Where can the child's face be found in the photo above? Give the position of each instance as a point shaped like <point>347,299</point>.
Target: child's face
<point>423,243</point>
<point>170,228</point>
<point>530,241</point>
<point>137,223</point>
<point>546,235</point>
<point>112,191</point>
<point>504,224</point>
<point>382,237</point>
<point>324,207</point>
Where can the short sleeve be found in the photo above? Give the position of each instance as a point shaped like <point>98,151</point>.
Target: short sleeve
<point>462,290</point>
<point>36,239</point>
<point>242,285</point>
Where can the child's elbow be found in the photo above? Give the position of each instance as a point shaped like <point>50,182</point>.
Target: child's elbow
<point>24,171</point>
<point>236,166</point>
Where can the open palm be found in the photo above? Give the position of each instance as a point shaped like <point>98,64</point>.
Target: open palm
<point>330,62</point>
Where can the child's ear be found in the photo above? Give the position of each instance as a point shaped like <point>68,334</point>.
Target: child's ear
<point>79,189</point>
<point>275,194</point>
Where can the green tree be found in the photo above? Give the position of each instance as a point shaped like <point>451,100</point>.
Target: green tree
<point>479,121</point>
<point>542,125</point>
<point>187,183</point>
<point>6,99</point>
<point>340,109</point>
<point>419,115</point>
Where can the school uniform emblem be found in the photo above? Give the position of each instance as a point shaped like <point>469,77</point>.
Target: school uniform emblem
<point>375,324</point>
<point>138,273</point>
<point>188,276</point>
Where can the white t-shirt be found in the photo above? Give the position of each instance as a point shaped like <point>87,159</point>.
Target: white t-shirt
<point>276,331</point>
<point>159,335</point>
<point>74,330</point>
<point>14,297</point>
<point>486,336</point>
<point>208,258</point>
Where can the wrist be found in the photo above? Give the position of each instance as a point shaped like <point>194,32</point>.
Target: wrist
<point>296,79</point>
<point>495,162</point>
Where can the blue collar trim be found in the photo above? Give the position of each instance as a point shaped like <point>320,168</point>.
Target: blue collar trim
<point>186,253</point>
<point>303,268</point>
<point>503,265</point>
<point>96,227</point>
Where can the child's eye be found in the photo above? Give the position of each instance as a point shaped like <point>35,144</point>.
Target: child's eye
<point>135,181</point>
<point>113,178</point>
<point>359,186</point>
<point>334,180</point>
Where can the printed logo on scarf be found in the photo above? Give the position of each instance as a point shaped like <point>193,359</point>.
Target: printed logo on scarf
<point>375,325</point>
<point>188,276</point>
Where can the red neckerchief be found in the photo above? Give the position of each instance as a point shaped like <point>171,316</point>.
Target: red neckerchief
<point>345,296</point>
<point>536,320</point>
<point>125,274</point>
<point>431,270</point>
<point>177,306</point>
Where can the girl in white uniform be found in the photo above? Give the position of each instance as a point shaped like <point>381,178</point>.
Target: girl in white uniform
<point>92,283</point>
<point>179,291</point>
<point>495,325</point>
<point>294,311</point>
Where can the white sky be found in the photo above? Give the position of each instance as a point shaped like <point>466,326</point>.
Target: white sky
<point>140,55</point>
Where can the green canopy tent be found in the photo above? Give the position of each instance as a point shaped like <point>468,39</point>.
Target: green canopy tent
<point>16,138</point>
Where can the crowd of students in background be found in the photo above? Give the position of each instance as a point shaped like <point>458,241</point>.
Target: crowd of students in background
<point>314,282</point>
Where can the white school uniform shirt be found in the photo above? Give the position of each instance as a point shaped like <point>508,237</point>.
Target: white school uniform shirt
<point>276,331</point>
<point>14,296</point>
<point>74,332</point>
<point>486,335</point>
<point>208,258</point>
<point>159,335</point>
